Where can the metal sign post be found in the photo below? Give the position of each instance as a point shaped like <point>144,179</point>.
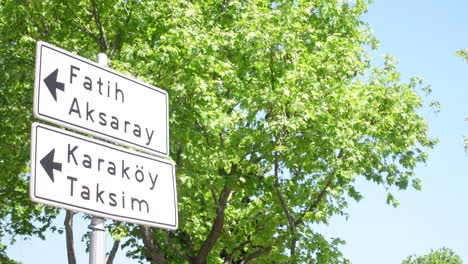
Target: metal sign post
<point>97,247</point>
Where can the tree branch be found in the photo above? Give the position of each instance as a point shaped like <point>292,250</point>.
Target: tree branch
<point>258,253</point>
<point>176,249</point>
<point>87,31</point>
<point>213,193</point>
<point>69,236</point>
<point>117,43</point>
<point>280,195</point>
<point>204,133</point>
<point>39,22</point>
<point>243,244</point>
<point>113,252</point>
<point>317,201</point>
<point>321,194</point>
<point>188,242</point>
<point>154,252</point>
<point>216,228</point>
<point>179,155</point>
<point>272,68</point>
<point>104,44</point>
<point>218,223</point>
<point>285,207</point>
<point>77,20</point>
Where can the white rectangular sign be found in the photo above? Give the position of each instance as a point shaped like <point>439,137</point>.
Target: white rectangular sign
<point>78,173</point>
<point>80,94</point>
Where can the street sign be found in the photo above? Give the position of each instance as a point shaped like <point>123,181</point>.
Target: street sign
<point>79,94</point>
<point>82,174</point>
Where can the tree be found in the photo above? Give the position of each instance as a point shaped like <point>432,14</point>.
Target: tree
<point>18,215</point>
<point>6,260</point>
<point>441,256</point>
<point>275,111</point>
<point>463,53</point>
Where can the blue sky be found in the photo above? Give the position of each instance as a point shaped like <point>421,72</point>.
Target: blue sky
<point>423,36</point>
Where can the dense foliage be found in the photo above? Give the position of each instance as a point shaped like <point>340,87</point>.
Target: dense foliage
<point>6,260</point>
<point>275,111</point>
<point>440,256</point>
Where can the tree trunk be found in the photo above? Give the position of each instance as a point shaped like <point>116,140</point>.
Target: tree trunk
<point>69,236</point>
<point>115,248</point>
<point>154,252</point>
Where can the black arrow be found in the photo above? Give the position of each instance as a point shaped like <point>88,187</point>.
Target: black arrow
<point>50,165</point>
<point>53,85</point>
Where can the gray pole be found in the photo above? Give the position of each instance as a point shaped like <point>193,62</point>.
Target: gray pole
<point>97,248</point>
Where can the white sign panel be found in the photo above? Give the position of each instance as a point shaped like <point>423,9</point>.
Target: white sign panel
<point>86,175</point>
<point>80,94</point>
